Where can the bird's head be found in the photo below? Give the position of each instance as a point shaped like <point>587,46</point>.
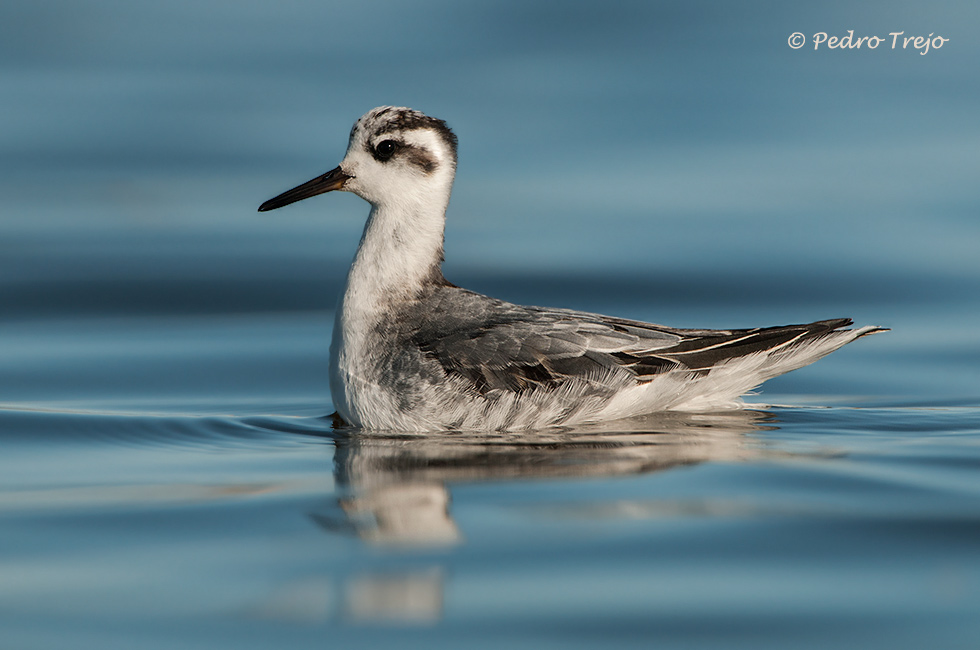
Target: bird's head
<point>394,155</point>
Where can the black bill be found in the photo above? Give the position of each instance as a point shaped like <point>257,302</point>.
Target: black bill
<point>332,180</point>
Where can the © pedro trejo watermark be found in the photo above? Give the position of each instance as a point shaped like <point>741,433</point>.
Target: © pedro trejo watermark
<point>894,41</point>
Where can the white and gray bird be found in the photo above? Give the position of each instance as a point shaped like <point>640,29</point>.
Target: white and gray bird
<point>413,352</point>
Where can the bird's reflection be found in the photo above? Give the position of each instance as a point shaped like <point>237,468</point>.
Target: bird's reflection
<point>395,489</point>
<point>395,486</point>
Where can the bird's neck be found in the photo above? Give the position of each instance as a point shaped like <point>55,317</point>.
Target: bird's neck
<point>400,253</point>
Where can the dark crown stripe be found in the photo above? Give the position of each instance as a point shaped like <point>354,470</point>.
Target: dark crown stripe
<point>409,120</point>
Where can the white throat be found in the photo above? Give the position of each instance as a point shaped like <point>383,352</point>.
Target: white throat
<point>400,250</point>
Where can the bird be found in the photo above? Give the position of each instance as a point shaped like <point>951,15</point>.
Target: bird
<point>412,352</point>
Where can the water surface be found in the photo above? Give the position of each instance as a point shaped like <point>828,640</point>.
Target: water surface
<point>168,478</point>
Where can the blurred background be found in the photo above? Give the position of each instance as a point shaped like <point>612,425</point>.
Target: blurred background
<point>670,161</point>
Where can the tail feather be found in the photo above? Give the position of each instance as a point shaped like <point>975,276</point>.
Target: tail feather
<point>725,382</point>
<point>712,369</point>
<point>706,349</point>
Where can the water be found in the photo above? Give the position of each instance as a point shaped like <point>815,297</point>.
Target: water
<point>167,478</point>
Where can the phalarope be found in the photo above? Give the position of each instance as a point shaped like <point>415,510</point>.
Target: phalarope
<point>414,352</point>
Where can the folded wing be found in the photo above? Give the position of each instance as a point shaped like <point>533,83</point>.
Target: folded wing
<point>500,346</point>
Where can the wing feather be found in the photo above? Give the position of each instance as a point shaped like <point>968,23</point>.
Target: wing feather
<point>500,346</point>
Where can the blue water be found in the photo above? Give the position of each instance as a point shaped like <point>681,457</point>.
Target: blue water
<point>167,477</point>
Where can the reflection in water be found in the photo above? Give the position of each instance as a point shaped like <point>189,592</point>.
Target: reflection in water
<point>396,484</point>
<point>414,597</point>
<point>396,494</point>
<point>404,513</point>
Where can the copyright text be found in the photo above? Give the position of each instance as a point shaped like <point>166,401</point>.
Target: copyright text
<point>894,41</point>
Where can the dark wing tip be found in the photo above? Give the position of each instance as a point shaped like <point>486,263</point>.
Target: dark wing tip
<point>837,323</point>
<point>876,330</point>
<point>829,325</point>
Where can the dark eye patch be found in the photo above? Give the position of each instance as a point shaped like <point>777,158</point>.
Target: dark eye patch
<point>414,155</point>
<point>421,159</point>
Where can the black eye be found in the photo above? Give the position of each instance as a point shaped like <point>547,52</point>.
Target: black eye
<point>385,149</point>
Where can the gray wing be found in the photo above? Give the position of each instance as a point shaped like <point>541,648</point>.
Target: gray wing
<point>497,345</point>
